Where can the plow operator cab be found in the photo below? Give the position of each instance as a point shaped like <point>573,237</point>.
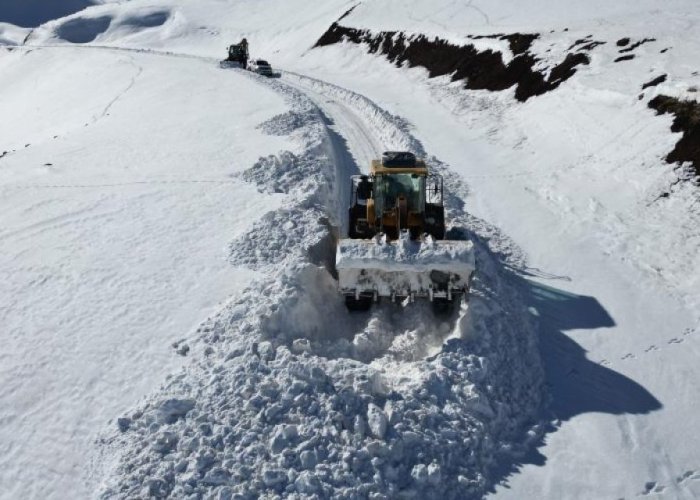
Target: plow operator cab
<point>399,194</point>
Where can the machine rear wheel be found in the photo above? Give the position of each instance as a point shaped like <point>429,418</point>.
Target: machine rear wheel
<point>361,305</point>
<point>444,307</point>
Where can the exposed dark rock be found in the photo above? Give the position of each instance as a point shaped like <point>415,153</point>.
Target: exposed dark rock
<point>624,58</point>
<point>348,12</point>
<point>567,68</point>
<point>654,82</point>
<point>636,44</point>
<point>519,42</point>
<point>686,120</point>
<point>483,70</point>
<point>580,41</point>
<point>592,45</point>
<point>623,41</point>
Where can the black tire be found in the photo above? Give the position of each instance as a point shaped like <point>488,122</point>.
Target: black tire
<point>436,214</point>
<point>358,213</point>
<point>362,304</point>
<point>352,225</point>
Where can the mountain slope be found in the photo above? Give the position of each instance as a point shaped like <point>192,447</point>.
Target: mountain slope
<point>576,214</point>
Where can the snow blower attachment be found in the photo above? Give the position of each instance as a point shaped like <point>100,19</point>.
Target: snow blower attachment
<point>237,56</point>
<point>395,246</point>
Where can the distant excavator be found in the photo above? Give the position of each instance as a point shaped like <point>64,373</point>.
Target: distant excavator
<point>395,246</point>
<point>237,56</point>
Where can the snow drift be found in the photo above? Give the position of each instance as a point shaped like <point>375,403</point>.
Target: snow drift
<point>282,402</point>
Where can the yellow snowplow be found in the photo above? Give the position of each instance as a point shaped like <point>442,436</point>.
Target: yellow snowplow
<point>395,246</point>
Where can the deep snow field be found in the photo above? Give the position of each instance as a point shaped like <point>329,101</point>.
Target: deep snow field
<point>169,312</point>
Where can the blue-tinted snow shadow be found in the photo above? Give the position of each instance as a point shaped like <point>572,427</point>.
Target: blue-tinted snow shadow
<point>83,30</point>
<point>33,13</point>
<point>575,384</point>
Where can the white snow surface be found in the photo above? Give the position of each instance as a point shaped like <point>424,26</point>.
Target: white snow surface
<point>115,224</point>
<point>151,200</point>
<point>405,254</point>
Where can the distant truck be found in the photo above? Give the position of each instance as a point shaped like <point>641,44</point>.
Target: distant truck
<point>261,67</point>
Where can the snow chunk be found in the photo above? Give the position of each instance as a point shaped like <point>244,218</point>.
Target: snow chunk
<point>405,264</point>
<point>173,409</point>
<point>217,477</point>
<point>165,442</point>
<point>308,459</point>
<point>307,483</point>
<point>405,254</point>
<point>377,421</point>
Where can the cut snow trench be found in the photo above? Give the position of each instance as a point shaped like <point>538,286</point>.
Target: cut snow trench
<point>278,400</point>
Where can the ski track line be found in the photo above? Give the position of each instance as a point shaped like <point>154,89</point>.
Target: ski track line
<point>105,111</point>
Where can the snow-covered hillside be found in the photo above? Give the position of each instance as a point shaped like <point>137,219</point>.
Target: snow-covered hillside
<point>170,317</point>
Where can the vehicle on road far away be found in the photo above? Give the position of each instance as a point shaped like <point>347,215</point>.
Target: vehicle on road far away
<point>237,56</point>
<point>261,67</point>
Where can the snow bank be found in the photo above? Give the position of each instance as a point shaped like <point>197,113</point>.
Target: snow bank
<point>11,34</point>
<point>294,396</point>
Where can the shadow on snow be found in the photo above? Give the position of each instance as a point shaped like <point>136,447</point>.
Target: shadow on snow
<point>575,384</point>
<point>33,13</point>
